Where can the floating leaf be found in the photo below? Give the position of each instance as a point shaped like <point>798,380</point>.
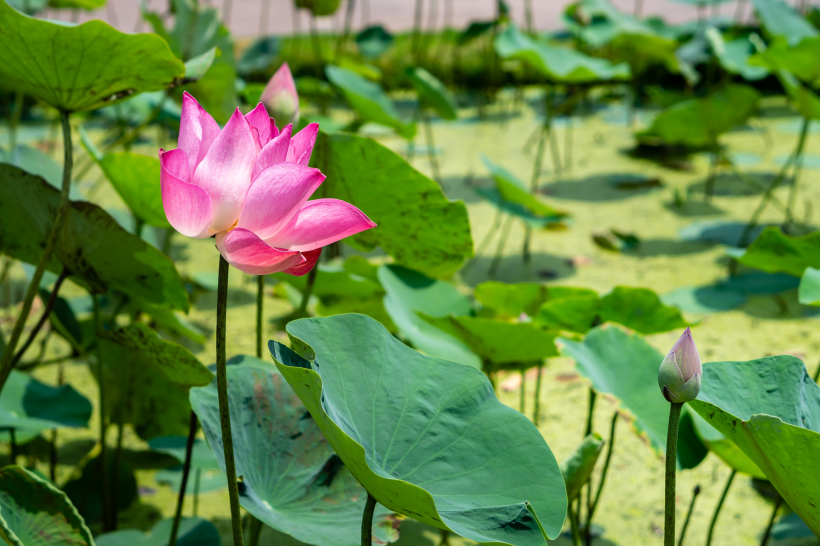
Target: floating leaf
<point>81,67</point>
<point>292,480</point>
<point>770,408</point>
<point>512,189</point>
<point>626,366</point>
<point>510,300</point>
<point>519,211</point>
<point>557,64</point>
<point>192,532</point>
<point>409,293</point>
<point>780,19</point>
<point>432,93</point>
<point>368,99</point>
<point>136,179</point>
<point>417,224</point>
<point>98,252</point>
<point>775,252</point>
<point>34,513</point>
<point>483,471</point>
<point>577,468</point>
<point>699,122</point>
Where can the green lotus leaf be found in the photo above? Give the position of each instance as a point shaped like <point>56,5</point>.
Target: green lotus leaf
<point>169,320</point>
<point>173,361</point>
<point>724,448</point>
<point>425,436</point>
<point>373,41</point>
<point>409,293</point>
<point>809,291</point>
<point>770,408</point>
<point>626,367</point>
<point>417,224</point>
<point>30,407</point>
<point>75,4</point>
<point>639,309</point>
<point>578,467</point>
<point>334,282</point>
<point>558,64</point>
<point>805,100</point>
<point>516,209</point>
<point>369,100</point>
<point>97,251</point>
<point>512,189</point>
<point>319,8</point>
<point>508,301</point>
<point>774,252</point>
<point>780,19</point>
<point>135,177</point>
<point>260,55</point>
<point>192,532</point>
<point>699,122</point>
<point>501,342</point>
<point>734,56</point>
<point>197,67</point>
<point>81,67</point>
<point>292,480</point>
<point>432,93</point>
<point>175,446</point>
<point>35,513</point>
<point>794,58</point>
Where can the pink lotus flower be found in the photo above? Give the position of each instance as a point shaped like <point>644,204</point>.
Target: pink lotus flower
<point>248,184</point>
<point>280,96</point>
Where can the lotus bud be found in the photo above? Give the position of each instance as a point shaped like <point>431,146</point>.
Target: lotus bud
<point>280,97</point>
<point>681,371</point>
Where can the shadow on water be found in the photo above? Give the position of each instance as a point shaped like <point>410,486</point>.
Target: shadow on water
<point>693,208</point>
<point>511,269</point>
<point>669,247</point>
<point>602,187</point>
<point>729,185</point>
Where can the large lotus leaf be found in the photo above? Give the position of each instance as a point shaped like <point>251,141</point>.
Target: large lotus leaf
<point>512,189</point>
<point>136,179</point>
<point>84,66</point>
<point>798,59</point>
<point>770,408</point>
<point>510,300</point>
<point>35,513</point>
<point>699,122</point>
<point>809,291</point>
<point>417,224</point>
<point>409,293</point>
<point>639,309</point>
<point>558,64</point>
<point>498,341</point>
<point>319,8</point>
<point>734,56</point>
<point>81,4</point>
<point>426,437</point>
<point>97,251</point>
<point>29,406</point>
<point>775,252</point>
<point>368,99</point>
<point>173,361</point>
<point>578,467</point>
<point>137,392</point>
<point>192,532</point>
<point>805,100</point>
<point>432,93</point>
<point>626,366</point>
<point>780,19</point>
<point>292,480</point>
<point>724,448</point>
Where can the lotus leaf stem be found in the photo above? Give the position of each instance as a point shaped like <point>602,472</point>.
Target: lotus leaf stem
<point>523,392</point>
<point>573,522</point>
<point>311,280</point>
<point>52,456</point>
<point>367,520</point>
<point>51,241</point>
<point>52,299</point>
<point>817,374</point>
<point>590,411</point>
<point>499,251</point>
<point>431,149</point>
<point>537,409</point>
<point>260,313</point>
<point>106,491</point>
<point>186,470</point>
<point>798,164</point>
<point>718,507</point>
<point>695,494</point>
<point>222,390</point>
<point>768,530</point>
<point>609,449</point>
<point>197,479</point>
<point>671,469</point>
<point>254,532</point>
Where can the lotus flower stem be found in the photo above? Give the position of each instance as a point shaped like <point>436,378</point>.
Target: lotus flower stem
<point>260,313</point>
<point>671,469</point>
<point>186,470</point>
<point>222,390</point>
<point>34,285</point>
<point>718,507</point>
<point>768,530</point>
<point>537,409</point>
<point>573,522</point>
<point>46,312</point>
<point>106,492</point>
<point>367,520</point>
<point>52,456</point>
<point>695,494</point>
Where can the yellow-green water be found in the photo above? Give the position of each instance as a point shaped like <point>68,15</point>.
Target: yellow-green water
<point>631,509</point>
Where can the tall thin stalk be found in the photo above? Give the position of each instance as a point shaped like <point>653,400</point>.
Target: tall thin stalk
<point>671,469</point>
<point>222,391</point>
<point>537,409</point>
<point>499,251</point>
<point>523,391</point>
<point>345,35</point>
<point>590,411</point>
<point>254,532</point>
<point>604,472</point>
<point>718,507</point>
<point>311,280</point>
<point>416,43</point>
<point>695,494</point>
<point>43,318</point>
<point>431,149</point>
<point>34,286</point>
<point>16,114</point>
<point>768,530</point>
<point>367,520</point>
<point>260,313</point>
<point>106,491</point>
<point>798,165</point>
<point>186,470</point>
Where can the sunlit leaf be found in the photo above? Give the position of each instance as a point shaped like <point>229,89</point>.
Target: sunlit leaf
<point>318,8</point>
<point>734,55</point>
<point>432,93</point>
<point>773,251</point>
<point>780,19</point>
<point>513,190</point>
<point>510,300</point>
<point>419,463</point>
<point>577,468</point>
<point>136,179</point>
